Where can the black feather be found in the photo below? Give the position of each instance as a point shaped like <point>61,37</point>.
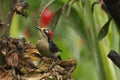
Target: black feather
<point>53,47</point>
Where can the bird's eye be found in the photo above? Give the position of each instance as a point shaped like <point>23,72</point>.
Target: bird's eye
<point>46,31</point>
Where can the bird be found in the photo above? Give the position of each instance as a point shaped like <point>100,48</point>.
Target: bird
<point>46,45</point>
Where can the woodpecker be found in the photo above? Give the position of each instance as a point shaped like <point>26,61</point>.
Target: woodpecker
<point>46,46</point>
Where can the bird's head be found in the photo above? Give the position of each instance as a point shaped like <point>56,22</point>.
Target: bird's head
<point>46,32</point>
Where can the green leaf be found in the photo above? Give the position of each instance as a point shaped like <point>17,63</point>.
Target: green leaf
<point>44,4</point>
<point>103,32</point>
<point>83,2</point>
<point>55,19</point>
<point>93,5</point>
<point>75,20</point>
<point>33,4</point>
<point>56,6</point>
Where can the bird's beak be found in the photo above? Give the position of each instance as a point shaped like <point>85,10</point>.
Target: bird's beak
<point>41,30</point>
<point>38,28</point>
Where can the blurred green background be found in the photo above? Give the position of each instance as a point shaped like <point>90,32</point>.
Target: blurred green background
<point>76,35</point>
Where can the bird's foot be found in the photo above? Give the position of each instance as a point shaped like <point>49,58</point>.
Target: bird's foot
<point>52,65</point>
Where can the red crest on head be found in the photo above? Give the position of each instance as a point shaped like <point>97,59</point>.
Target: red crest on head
<point>50,34</point>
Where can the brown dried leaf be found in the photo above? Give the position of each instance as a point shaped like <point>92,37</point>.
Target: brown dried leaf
<point>23,58</point>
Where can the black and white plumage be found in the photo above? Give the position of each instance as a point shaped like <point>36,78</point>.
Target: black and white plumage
<point>46,46</point>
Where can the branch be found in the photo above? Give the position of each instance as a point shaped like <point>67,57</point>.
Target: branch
<point>7,9</point>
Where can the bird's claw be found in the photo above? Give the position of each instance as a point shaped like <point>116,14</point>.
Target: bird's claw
<point>52,65</point>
